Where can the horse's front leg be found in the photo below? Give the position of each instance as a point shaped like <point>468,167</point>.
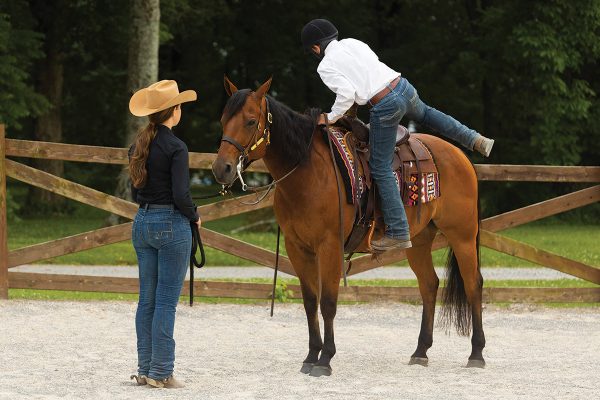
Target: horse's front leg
<point>304,263</point>
<point>330,269</point>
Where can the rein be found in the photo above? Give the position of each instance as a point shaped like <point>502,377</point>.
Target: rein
<point>276,270</point>
<point>221,192</point>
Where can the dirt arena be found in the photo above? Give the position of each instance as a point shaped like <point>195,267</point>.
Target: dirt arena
<point>86,350</point>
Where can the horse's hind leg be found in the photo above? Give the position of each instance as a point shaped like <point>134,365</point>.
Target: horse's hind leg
<point>464,246</point>
<point>305,266</point>
<point>419,258</point>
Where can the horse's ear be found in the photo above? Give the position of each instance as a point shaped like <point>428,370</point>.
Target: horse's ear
<point>264,88</point>
<point>229,86</point>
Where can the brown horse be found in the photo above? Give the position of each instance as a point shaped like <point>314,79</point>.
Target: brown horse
<point>306,208</point>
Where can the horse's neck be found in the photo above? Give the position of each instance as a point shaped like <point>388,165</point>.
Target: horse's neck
<point>308,177</point>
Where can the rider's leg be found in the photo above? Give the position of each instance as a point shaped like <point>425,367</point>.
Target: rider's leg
<point>385,117</point>
<point>444,124</point>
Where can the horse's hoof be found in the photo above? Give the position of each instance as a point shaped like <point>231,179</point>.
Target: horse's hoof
<point>306,367</point>
<point>419,361</point>
<point>320,370</point>
<point>476,364</point>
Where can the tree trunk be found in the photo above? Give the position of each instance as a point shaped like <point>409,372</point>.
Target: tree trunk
<point>48,126</point>
<point>142,70</point>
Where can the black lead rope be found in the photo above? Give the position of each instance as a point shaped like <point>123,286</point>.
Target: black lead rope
<point>196,244</point>
<point>276,269</point>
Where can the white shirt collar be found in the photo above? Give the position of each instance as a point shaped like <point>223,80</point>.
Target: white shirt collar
<point>331,44</point>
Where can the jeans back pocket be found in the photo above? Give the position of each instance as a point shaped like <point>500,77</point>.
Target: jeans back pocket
<point>160,230</point>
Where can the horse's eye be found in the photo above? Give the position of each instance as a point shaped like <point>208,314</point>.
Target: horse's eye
<point>252,122</point>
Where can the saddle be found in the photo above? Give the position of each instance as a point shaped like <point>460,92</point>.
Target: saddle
<point>413,165</point>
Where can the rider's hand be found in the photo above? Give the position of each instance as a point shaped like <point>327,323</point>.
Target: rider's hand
<point>199,223</point>
<point>322,120</point>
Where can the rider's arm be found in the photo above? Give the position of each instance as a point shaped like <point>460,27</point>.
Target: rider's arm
<point>345,92</point>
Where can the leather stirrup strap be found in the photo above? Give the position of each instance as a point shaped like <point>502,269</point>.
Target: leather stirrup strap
<point>341,213</point>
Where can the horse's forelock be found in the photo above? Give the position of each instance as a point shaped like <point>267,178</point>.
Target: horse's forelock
<point>291,131</point>
<point>235,103</point>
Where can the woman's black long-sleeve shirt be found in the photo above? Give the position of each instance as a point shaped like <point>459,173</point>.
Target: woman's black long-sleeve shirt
<point>168,180</point>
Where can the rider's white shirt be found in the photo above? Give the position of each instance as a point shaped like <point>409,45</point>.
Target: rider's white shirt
<point>354,73</point>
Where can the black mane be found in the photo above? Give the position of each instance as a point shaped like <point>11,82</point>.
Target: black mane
<point>291,132</point>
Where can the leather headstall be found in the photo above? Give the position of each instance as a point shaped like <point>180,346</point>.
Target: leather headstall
<point>255,140</point>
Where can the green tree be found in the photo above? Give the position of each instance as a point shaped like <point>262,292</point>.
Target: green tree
<point>142,71</point>
<point>546,49</point>
<point>524,73</point>
<point>20,47</point>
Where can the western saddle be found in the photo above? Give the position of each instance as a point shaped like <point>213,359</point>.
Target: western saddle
<point>412,159</point>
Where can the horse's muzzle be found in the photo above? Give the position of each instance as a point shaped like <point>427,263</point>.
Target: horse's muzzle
<point>223,171</point>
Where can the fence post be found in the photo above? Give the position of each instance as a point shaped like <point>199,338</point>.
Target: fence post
<point>3,227</point>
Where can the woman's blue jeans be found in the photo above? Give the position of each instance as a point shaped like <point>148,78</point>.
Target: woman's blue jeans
<point>162,239</point>
<point>385,118</point>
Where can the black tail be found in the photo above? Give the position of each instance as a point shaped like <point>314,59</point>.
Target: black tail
<point>456,308</point>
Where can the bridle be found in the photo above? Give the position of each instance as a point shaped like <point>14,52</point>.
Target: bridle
<point>244,160</point>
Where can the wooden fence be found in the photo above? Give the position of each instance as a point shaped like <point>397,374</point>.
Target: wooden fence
<point>104,236</point>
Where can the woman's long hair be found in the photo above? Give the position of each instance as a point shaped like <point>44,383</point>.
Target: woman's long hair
<point>141,147</point>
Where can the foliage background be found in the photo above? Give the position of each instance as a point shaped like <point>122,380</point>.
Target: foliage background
<point>523,72</point>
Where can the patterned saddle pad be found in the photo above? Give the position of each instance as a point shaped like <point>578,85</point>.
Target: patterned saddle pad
<point>417,183</point>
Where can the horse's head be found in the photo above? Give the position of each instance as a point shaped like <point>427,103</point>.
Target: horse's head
<point>246,124</point>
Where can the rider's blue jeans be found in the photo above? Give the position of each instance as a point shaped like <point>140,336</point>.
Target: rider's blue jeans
<point>385,117</point>
<point>162,239</point>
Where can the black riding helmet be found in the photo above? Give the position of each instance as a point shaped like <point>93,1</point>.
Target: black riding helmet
<point>320,32</point>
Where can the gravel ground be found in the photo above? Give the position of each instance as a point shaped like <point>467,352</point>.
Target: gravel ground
<point>86,350</point>
<point>265,272</point>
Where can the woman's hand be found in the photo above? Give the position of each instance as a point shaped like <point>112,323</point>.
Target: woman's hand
<point>199,223</point>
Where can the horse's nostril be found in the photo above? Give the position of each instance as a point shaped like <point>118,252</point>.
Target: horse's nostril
<point>228,168</point>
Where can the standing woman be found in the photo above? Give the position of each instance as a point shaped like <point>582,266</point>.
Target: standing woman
<point>161,234</point>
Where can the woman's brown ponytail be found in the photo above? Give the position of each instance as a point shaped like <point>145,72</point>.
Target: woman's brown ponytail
<point>141,148</point>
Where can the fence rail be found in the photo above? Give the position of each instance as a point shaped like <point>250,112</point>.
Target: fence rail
<point>228,207</point>
<point>25,280</point>
<point>117,155</point>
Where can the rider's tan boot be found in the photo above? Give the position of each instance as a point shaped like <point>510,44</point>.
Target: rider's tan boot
<point>388,243</point>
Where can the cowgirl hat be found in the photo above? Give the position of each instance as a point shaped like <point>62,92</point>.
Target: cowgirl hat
<point>157,97</point>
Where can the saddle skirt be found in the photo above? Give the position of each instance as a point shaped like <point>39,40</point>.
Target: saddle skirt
<point>414,168</point>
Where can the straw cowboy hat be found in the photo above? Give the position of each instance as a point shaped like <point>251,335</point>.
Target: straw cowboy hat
<point>157,97</point>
